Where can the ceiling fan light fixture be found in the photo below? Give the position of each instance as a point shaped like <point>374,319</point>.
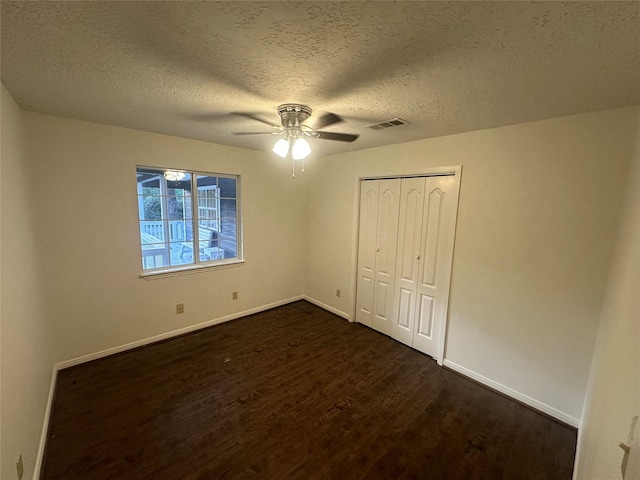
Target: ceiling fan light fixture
<point>300,149</point>
<point>293,132</point>
<point>281,148</point>
<point>174,175</point>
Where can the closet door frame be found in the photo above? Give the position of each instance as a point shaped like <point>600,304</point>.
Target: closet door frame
<point>456,172</point>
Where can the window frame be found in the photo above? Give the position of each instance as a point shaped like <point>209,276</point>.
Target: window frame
<point>198,265</point>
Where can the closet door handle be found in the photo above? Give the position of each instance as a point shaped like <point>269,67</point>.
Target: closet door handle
<point>418,257</point>
<point>377,249</point>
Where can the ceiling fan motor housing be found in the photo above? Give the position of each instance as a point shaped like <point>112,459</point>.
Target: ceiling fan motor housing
<point>293,114</point>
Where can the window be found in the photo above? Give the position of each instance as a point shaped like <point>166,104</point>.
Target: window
<point>187,219</point>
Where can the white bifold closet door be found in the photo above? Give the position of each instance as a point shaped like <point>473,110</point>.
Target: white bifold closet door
<point>379,208</point>
<point>404,258</point>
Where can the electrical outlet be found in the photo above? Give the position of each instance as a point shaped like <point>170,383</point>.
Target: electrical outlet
<point>234,295</point>
<point>337,292</point>
<point>180,308</point>
<point>20,468</point>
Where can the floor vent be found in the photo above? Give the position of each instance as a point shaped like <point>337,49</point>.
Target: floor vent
<point>394,122</point>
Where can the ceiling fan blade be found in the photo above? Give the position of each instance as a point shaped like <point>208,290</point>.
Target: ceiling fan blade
<point>340,137</point>
<point>256,133</point>
<point>256,118</point>
<point>326,120</point>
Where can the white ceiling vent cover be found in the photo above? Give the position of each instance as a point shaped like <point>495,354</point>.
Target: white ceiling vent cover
<point>394,122</point>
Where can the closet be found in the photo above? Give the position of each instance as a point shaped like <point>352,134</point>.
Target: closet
<point>405,250</point>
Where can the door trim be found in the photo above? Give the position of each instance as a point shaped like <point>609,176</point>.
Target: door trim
<point>455,171</point>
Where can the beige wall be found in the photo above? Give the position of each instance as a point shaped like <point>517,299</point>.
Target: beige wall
<point>69,223</point>
<point>87,216</point>
<point>539,207</point>
<point>539,204</point>
<point>26,329</point>
<point>613,396</point>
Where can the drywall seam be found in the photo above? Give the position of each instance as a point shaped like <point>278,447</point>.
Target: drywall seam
<point>521,397</point>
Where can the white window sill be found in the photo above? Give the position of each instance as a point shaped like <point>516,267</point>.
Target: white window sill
<point>187,270</point>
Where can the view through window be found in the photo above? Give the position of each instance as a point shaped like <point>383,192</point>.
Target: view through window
<point>187,218</point>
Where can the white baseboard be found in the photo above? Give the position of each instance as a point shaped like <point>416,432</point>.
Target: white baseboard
<point>563,417</point>
<point>163,336</point>
<point>521,397</point>
<point>576,458</point>
<point>45,425</point>
<point>122,348</point>
<point>329,308</point>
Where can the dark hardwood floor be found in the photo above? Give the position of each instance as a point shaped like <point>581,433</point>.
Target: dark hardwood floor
<point>292,393</point>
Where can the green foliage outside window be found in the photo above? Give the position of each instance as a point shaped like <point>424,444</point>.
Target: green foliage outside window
<point>153,207</point>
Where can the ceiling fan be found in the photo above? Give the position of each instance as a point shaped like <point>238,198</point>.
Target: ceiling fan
<point>293,131</point>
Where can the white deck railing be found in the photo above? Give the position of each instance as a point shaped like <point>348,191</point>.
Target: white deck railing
<point>177,230</point>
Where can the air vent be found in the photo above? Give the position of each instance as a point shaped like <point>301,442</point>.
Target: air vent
<point>394,122</point>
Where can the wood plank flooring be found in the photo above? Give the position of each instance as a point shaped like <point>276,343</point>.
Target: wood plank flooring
<point>291,393</point>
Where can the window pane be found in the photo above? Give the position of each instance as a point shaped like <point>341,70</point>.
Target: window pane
<point>151,232</point>
<point>184,185</point>
<point>228,207</point>
<point>150,207</point>
<point>208,200</point>
<point>227,187</point>
<point>181,253</point>
<point>211,253</point>
<point>172,233</point>
<point>229,223</point>
<point>176,208</point>
<point>154,255</point>
<point>205,181</point>
<point>229,245</point>
<point>178,230</point>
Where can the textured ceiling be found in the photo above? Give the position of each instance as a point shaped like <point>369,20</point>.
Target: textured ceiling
<point>182,68</point>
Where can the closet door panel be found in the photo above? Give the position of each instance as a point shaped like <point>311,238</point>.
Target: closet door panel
<point>433,236</point>
<point>404,319</point>
<point>406,234</point>
<point>436,250</point>
<point>425,316</point>
<point>367,250</point>
<point>407,258</point>
<point>385,263</point>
